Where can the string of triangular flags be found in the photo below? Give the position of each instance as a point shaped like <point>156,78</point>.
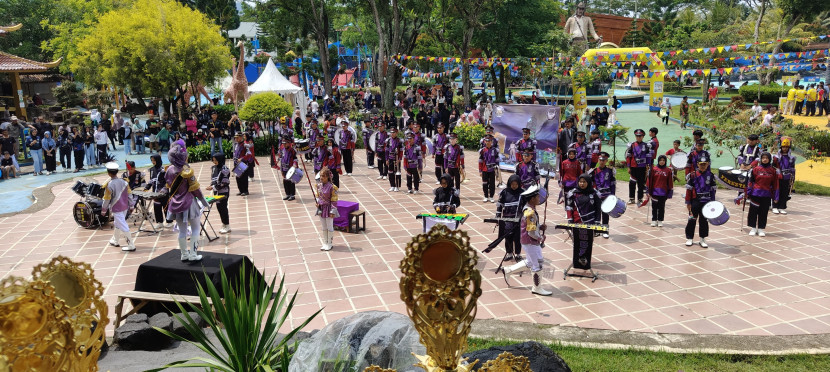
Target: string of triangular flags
<point>738,47</point>
<point>683,62</point>
<point>427,75</point>
<point>624,74</point>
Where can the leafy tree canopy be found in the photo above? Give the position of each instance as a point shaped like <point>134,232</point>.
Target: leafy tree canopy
<point>266,106</point>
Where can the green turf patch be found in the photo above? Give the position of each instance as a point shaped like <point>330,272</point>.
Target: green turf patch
<point>596,360</point>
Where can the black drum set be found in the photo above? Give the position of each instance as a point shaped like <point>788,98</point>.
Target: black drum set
<point>87,211</point>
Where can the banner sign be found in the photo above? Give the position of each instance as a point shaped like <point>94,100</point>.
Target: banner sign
<point>543,121</point>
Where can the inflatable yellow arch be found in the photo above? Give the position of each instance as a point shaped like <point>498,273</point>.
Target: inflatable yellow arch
<point>611,55</point>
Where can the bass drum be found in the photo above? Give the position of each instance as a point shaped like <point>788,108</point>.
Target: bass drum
<point>87,214</point>
<point>373,142</point>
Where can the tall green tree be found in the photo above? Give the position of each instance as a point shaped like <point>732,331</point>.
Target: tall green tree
<point>152,48</point>
<point>222,12</point>
<point>26,42</point>
<point>456,22</point>
<point>285,22</point>
<point>397,26</point>
<point>513,33</point>
<point>796,11</point>
<point>70,22</point>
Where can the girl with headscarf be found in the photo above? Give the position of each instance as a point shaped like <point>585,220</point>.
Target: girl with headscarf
<point>446,196</point>
<point>761,191</point>
<point>327,207</point>
<point>50,147</point>
<point>333,161</point>
<point>508,206</point>
<point>659,187</point>
<point>156,184</point>
<point>220,182</point>
<point>183,189</point>
<point>700,189</point>
<point>242,156</point>
<point>582,204</point>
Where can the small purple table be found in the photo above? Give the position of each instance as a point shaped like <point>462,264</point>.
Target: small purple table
<point>344,208</point>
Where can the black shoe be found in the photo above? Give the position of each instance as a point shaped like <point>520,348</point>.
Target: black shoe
<point>243,194</point>
<point>508,257</point>
<point>291,197</point>
<point>285,197</point>
<point>518,257</point>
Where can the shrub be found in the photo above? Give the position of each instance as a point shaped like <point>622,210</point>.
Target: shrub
<point>267,106</point>
<point>68,94</point>
<point>469,135</point>
<point>224,112</point>
<point>672,87</point>
<point>769,93</point>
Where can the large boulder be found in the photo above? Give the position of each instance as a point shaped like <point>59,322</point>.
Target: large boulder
<point>542,358</point>
<point>179,329</point>
<point>140,336</point>
<point>385,339</point>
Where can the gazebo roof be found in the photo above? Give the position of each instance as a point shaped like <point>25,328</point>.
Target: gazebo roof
<point>12,63</point>
<point>7,29</point>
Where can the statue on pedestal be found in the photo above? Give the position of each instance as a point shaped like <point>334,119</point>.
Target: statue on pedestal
<point>579,27</point>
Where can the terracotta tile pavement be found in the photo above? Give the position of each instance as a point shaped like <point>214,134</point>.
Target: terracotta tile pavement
<point>649,281</point>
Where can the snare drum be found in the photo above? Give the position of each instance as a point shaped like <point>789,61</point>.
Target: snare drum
<point>613,206</point>
<point>726,169</point>
<point>294,175</point>
<point>240,169</point>
<point>94,189</point>
<point>303,146</point>
<point>715,212</point>
<point>88,214</point>
<point>79,188</point>
<point>543,195</point>
<point>679,160</point>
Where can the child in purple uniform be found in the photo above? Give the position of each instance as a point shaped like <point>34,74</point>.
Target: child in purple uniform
<point>605,179</point>
<point>327,207</point>
<point>412,161</point>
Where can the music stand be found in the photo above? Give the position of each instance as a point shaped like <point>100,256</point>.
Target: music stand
<point>205,222</point>
<point>141,206</point>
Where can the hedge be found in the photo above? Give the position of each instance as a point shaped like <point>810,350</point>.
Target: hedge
<point>769,93</point>
<point>469,135</point>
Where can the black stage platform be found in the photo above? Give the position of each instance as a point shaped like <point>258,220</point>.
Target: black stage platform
<point>168,274</point>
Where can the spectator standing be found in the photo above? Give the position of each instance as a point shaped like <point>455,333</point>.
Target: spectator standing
<point>101,144</point>
<point>36,149</point>
<point>50,148</point>
<point>65,149</point>
<point>79,148</point>
<point>89,147</point>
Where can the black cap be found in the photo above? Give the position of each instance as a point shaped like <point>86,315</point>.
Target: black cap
<point>289,139</point>
<point>653,129</point>
<point>753,137</point>
<point>595,131</point>
<point>453,135</point>
<point>489,127</point>
<point>700,142</point>
<point>580,133</point>
<point>639,132</point>
<point>525,130</point>
<point>697,132</point>
<point>528,152</point>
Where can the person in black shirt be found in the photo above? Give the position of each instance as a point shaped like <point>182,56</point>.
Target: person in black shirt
<point>215,130</point>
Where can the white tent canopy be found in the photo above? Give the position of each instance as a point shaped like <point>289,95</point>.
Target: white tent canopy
<point>272,80</point>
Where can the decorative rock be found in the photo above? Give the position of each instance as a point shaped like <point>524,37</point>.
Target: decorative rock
<point>161,320</point>
<point>542,358</point>
<point>385,339</point>
<point>178,328</point>
<point>140,336</point>
<point>136,318</point>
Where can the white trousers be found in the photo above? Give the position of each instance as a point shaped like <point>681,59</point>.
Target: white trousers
<point>327,223</point>
<point>534,256</point>
<point>119,220</point>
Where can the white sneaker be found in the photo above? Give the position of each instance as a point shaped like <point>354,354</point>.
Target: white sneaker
<point>409,191</point>
<point>486,200</point>
<point>397,189</point>
<point>605,235</point>
<point>689,242</point>
<point>783,211</point>
<point>391,189</point>
<point>703,243</point>
<point>371,167</point>
<point>130,244</point>
<point>437,182</point>
<point>502,185</point>
<point>384,177</point>
<point>492,201</point>
<point>225,229</point>
<point>415,192</point>
<point>752,232</point>
<point>540,291</point>
<point>775,211</point>
<point>158,226</point>
<point>114,242</point>
<point>761,232</point>
<point>379,178</point>
<point>653,223</point>
<point>659,223</point>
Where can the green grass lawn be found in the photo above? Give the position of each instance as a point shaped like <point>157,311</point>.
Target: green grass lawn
<point>595,360</point>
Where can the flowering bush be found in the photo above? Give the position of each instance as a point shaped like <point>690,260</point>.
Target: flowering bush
<point>469,135</point>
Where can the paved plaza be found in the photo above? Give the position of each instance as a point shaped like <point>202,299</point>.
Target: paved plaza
<point>649,281</point>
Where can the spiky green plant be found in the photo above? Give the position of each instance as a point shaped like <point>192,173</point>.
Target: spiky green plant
<point>245,322</point>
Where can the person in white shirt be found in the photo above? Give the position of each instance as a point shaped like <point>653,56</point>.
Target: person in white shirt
<point>138,130</point>
<point>101,142</point>
<point>768,117</point>
<point>314,108</point>
<point>756,112</point>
